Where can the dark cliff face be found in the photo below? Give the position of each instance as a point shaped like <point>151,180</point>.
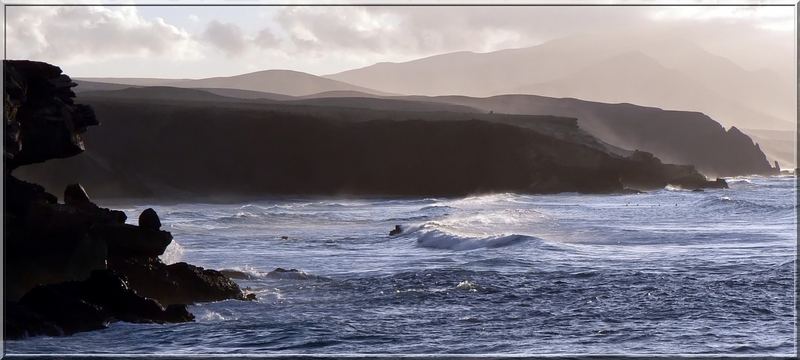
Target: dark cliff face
<point>41,120</point>
<point>68,266</point>
<point>679,137</point>
<point>204,149</point>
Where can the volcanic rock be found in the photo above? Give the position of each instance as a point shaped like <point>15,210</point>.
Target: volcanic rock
<point>92,304</point>
<point>76,195</point>
<point>178,283</point>
<point>149,220</point>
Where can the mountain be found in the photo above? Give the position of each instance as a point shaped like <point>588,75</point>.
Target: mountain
<point>643,70</point>
<point>679,137</point>
<point>84,86</point>
<point>127,81</point>
<point>220,149</point>
<point>285,82</point>
<point>640,79</point>
<point>157,93</point>
<point>261,100</point>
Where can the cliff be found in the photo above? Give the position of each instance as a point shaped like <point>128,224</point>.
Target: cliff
<point>73,266</point>
<point>679,137</point>
<point>175,148</point>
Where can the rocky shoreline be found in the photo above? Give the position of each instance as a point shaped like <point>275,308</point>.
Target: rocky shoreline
<point>74,266</point>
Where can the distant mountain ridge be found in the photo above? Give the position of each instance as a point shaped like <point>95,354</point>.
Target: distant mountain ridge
<point>286,82</point>
<point>650,72</point>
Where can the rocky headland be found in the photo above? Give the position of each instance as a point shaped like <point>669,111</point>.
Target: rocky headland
<point>74,266</point>
<point>245,149</point>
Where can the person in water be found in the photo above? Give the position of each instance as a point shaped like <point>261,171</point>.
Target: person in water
<point>397,230</point>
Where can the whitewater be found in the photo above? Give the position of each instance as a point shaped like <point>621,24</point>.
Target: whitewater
<point>667,271</point>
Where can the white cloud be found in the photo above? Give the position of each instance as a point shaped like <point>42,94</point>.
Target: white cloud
<point>92,33</point>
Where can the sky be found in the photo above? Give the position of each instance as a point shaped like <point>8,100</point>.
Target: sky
<point>197,42</point>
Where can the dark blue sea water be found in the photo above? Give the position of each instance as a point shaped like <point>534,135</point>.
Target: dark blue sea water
<point>669,271</point>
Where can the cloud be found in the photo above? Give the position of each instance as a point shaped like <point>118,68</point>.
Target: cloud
<point>227,37</point>
<point>406,32</point>
<point>434,29</point>
<point>91,33</point>
<point>266,39</point>
<point>321,39</point>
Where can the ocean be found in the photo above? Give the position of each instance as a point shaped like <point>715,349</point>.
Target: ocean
<point>664,272</point>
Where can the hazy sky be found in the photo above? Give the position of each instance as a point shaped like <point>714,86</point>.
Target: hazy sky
<point>192,42</point>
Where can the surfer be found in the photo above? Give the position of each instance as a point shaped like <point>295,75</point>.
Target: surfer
<point>396,231</point>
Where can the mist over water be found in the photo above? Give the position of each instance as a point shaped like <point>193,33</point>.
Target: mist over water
<point>663,272</point>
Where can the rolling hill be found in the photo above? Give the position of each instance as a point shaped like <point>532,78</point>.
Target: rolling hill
<point>285,82</point>
<point>649,72</point>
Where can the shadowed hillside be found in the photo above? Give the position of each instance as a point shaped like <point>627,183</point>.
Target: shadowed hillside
<point>223,149</point>
<point>678,137</point>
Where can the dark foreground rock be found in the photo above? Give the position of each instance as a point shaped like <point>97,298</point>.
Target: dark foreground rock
<point>178,283</point>
<point>47,242</point>
<point>91,304</point>
<point>60,276</point>
<point>149,220</point>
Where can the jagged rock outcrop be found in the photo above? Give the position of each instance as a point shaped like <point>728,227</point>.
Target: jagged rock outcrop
<point>75,306</point>
<point>48,242</point>
<point>178,283</point>
<point>149,220</point>
<point>42,121</point>
<point>647,171</point>
<point>75,195</point>
<point>59,271</point>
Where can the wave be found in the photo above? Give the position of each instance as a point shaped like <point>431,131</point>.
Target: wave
<point>726,203</point>
<point>437,210</point>
<point>238,217</point>
<point>407,219</point>
<point>438,239</point>
<point>243,273</point>
<point>484,200</point>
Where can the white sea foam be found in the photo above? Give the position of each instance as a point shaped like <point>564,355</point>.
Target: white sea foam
<point>467,285</point>
<point>172,254</point>
<point>211,316</point>
<point>438,239</point>
<point>674,188</point>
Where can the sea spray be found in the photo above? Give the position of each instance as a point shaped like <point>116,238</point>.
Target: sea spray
<point>172,254</point>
